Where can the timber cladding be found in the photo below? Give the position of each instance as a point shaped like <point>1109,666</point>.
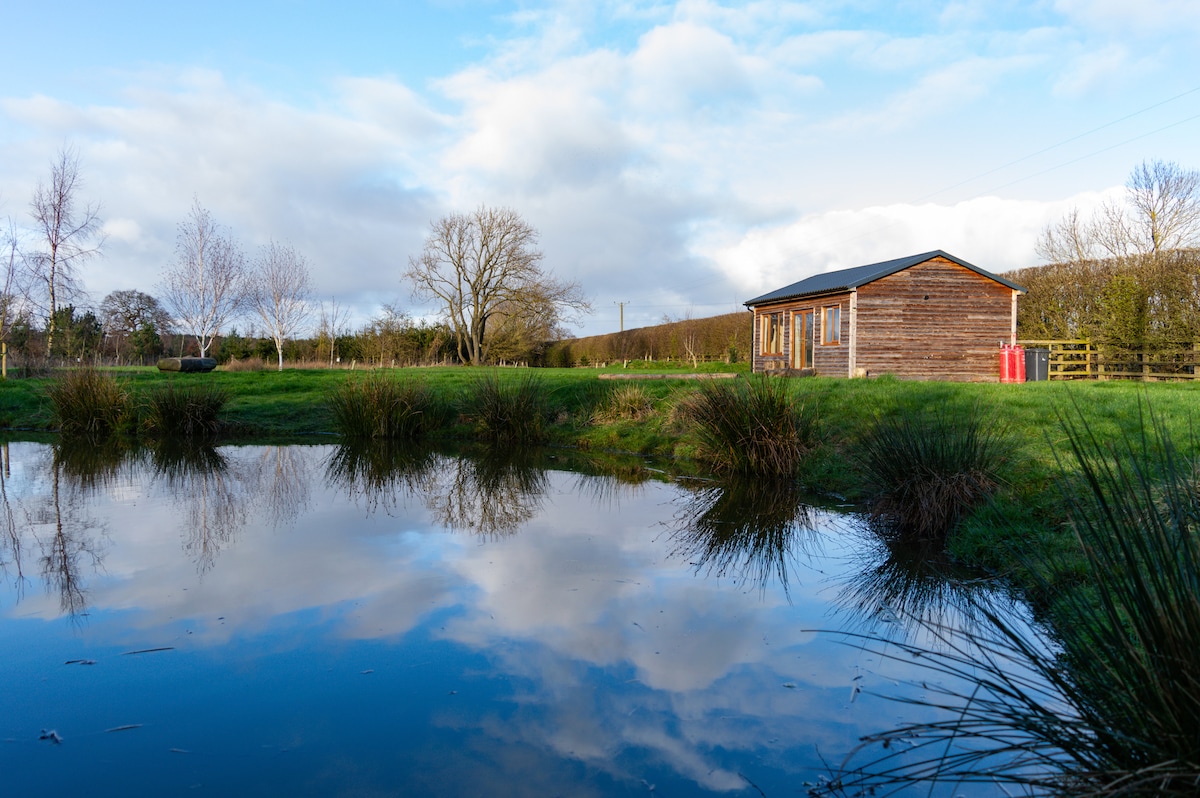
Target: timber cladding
<point>929,316</point>
<point>936,320</point>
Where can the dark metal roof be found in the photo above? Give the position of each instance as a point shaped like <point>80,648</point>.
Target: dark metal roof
<point>845,279</point>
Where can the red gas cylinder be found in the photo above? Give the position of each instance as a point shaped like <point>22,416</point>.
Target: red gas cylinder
<point>1006,374</point>
<point>1019,372</point>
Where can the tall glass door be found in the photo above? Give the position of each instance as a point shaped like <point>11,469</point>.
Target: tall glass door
<point>802,339</point>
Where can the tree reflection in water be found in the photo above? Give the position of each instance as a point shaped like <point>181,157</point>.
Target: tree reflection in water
<point>490,493</point>
<point>284,482</point>
<point>11,542</point>
<point>215,496</point>
<point>71,543</point>
<point>749,530</point>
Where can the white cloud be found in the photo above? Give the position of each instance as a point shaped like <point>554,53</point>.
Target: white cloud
<point>994,234</point>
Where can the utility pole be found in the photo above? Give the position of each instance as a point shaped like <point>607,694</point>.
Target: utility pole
<point>622,306</point>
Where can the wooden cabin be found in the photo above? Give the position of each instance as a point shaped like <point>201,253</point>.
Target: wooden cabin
<point>928,317</point>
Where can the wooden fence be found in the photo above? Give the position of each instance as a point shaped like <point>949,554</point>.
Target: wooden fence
<point>1083,360</point>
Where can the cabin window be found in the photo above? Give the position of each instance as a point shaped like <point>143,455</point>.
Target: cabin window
<point>772,334</point>
<point>831,325</point>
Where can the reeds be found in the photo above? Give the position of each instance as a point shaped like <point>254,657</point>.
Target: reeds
<point>624,403</point>
<point>1106,702</point>
<point>512,410</point>
<point>924,470</point>
<point>751,427</point>
<point>381,406</point>
<point>188,410</point>
<point>88,402</point>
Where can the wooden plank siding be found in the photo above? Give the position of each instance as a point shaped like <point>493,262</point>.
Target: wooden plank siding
<point>934,321</point>
<point>828,359</point>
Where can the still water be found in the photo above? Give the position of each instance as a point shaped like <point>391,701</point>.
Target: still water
<point>312,620</point>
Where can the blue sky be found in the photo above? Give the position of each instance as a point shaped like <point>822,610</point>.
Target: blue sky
<point>677,156</point>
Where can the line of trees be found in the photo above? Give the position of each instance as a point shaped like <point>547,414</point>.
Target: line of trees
<point>1126,278</point>
<point>725,338</point>
<point>497,303</point>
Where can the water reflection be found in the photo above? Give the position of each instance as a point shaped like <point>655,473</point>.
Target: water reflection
<point>750,530</point>
<point>564,642</point>
<point>913,586</point>
<point>382,473</point>
<point>10,533</point>
<point>490,494</point>
<point>69,539</point>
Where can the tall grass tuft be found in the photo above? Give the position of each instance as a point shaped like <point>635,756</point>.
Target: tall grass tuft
<point>1107,701</point>
<point>751,427</point>
<point>381,406</point>
<point>508,410</point>
<point>927,469</point>
<point>183,410</point>
<point>624,403</point>
<point>88,402</point>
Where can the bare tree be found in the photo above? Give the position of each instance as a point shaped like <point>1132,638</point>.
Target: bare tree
<point>485,267</point>
<point>1068,240</point>
<point>1161,212</point>
<point>332,324</point>
<point>206,286</point>
<point>1165,201</point>
<point>67,234</point>
<point>280,290</point>
<point>12,293</point>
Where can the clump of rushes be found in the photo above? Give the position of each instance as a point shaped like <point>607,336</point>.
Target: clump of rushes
<point>625,403</point>
<point>381,406</point>
<point>508,410</point>
<point>183,410</point>
<point>1106,702</point>
<point>751,427</point>
<point>88,402</point>
<point>927,469</point>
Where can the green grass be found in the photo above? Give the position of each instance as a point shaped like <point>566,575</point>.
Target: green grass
<point>181,409</point>
<point>1105,703</point>
<point>88,403</point>
<point>927,468</point>
<point>379,404</point>
<point>752,427</point>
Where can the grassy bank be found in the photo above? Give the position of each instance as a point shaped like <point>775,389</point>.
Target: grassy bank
<point>647,417</point>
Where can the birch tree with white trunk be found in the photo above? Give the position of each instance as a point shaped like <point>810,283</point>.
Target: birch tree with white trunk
<point>206,286</point>
<point>281,292</point>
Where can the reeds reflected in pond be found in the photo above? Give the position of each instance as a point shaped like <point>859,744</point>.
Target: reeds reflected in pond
<point>911,585</point>
<point>746,529</point>
<point>382,472</point>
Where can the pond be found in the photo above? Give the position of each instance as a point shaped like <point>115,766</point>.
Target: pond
<point>316,620</point>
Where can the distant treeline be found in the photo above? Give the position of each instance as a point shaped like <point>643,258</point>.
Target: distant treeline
<point>716,338</point>
<point>1138,303</point>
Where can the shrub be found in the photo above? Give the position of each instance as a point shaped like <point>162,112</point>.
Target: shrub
<point>88,402</point>
<point>624,403</point>
<point>508,410</point>
<point>1107,701</point>
<point>927,469</point>
<point>751,426</point>
<point>183,410</point>
<point>380,406</point>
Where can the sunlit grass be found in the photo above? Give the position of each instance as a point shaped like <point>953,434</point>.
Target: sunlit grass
<point>1104,702</point>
